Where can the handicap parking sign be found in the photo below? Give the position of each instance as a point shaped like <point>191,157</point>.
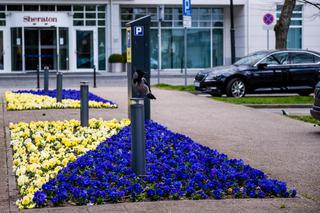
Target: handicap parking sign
<point>138,31</point>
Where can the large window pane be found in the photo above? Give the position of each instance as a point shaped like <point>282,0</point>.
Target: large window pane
<point>172,48</point>
<point>198,43</point>
<point>16,48</point>
<point>84,49</point>
<point>217,47</point>
<point>64,48</point>
<point>294,38</point>
<point>154,48</point>
<point>101,49</point>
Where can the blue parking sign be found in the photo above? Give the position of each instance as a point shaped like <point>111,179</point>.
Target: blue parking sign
<point>138,31</point>
<point>186,7</point>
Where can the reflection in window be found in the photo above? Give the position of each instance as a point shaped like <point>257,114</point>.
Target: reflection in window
<point>16,48</point>
<point>64,48</point>
<point>101,49</point>
<point>198,51</point>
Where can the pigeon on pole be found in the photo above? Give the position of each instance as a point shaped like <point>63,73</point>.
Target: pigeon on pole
<point>142,85</point>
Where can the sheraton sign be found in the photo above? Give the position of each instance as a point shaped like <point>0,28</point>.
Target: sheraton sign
<point>40,19</point>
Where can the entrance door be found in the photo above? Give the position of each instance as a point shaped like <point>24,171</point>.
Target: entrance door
<point>48,48</point>
<point>31,48</point>
<point>1,51</point>
<point>40,48</point>
<point>85,49</point>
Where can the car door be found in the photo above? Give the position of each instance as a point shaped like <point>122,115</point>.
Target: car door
<point>304,70</point>
<point>275,73</point>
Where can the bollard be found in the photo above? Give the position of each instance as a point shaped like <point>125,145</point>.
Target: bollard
<point>38,77</point>
<point>94,77</point>
<point>138,144</point>
<point>46,79</point>
<point>59,86</point>
<point>84,103</point>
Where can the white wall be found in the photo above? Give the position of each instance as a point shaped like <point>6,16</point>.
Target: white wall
<point>311,28</point>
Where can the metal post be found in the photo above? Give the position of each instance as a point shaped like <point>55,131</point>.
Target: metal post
<point>233,49</point>
<point>38,77</point>
<point>59,86</point>
<point>94,77</point>
<point>84,103</point>
<point>46,79</point>
<point>267,39</point>
<point>138,144</point>
<point>185,57</point>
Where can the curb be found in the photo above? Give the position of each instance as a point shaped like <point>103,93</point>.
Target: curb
<point>261,106</point>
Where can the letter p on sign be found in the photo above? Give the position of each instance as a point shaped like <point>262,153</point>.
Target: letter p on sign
<point>138,31</point>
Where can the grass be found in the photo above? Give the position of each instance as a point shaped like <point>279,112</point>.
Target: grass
<point>245,100</point>
<point>306,118</point>
<point>268,100</point>
<point>188,88</point>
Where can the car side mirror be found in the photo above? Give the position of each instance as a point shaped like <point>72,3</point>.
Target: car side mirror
<point>262,66</point>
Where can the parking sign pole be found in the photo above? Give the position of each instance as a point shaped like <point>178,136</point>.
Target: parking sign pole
<point>185,56</point>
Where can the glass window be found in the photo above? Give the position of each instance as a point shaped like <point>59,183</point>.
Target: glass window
<point>102,8</point>
<point>16,48</point>
<point>101,22</point>
<point>217,47</point>
<point>14,7</point>
<point>302,58</point>
<point>294,38</point>
<point>85,49</point>
<point>172,48</point>
<point>316,59</point>
<point>295,28</point>
<point>276,59</point>
<point>47,7</point>
<point>31,7</point>
<point>1,50</point>
<point>90,8</point>
<point>102,49</point>
<point>101,15</point>
<point>78,22</point>
<point>2,22</point>
<point>251,59</point>
<point>64,48</point>
<point>2,7</point>
<point>91,23</point>
<point>154,48</point>
<point>63,8</point>
<point>198,51</point>
<point>78,15</point>
<point>91,15</point>
<point>78,8</point>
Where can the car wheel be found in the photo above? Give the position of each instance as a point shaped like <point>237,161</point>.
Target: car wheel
<point>236,88</point>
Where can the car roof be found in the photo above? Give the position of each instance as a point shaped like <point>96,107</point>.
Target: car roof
<point>286,50</point>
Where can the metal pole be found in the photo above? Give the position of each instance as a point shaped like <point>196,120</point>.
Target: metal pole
<point>38,77</point>
<point>138,144</point>
<point>59,86</point>
<point>46,79</point>
<point>185,57</point>
<point>233,49</point>
<point>94,77</point>
<point>267,39</point>
<point>84,103</point>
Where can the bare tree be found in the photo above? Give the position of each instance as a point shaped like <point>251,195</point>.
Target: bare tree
<point>282,27</point>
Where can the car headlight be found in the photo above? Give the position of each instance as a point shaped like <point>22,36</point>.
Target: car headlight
<point>213,77</point>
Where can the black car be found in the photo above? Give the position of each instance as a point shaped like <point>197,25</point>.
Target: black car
<point>315,111</point>
<point>288,71</point>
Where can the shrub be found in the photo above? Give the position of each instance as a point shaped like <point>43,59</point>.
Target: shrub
<point>115,58</point>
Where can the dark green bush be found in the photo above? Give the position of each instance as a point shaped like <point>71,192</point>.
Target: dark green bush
<point>115,58</point>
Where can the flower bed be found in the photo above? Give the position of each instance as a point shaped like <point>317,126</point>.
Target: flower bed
<point>38,99</point>
<point>177,168</point>
<point>41,149</point>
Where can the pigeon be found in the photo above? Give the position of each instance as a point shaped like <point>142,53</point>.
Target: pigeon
<point>141,84</point>
<point>285,113</point>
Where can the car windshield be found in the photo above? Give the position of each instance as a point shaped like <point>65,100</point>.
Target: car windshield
<point>251,59</point>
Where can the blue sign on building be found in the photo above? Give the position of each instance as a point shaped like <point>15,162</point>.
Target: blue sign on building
<point>138,31</point>
<point>186,7</point>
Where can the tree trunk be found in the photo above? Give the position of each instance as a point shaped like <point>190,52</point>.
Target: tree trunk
<point>282,27</point>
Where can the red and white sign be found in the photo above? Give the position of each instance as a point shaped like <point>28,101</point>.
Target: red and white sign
<point>39,19</point>
<point>268,20</point>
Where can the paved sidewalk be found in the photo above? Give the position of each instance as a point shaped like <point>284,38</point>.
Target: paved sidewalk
<point>285,149</point>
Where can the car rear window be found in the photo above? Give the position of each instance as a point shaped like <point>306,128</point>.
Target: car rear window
<point>302,58</point>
